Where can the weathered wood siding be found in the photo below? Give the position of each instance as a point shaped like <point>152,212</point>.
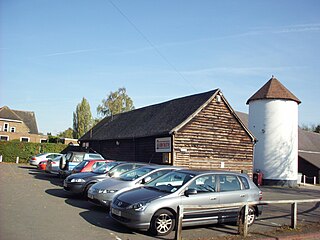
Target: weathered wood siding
<point>137,150</point>
<point>213,136</point>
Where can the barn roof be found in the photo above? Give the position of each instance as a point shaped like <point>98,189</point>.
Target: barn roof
<point>273,89</point>
<point>156,120</point>
<point>309,147</point>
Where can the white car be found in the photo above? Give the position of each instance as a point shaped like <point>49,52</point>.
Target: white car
<point>53,165</point>
<point>35,160</point>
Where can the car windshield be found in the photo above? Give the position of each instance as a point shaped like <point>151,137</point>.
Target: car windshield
<point>170,182</point>
<point>134,174</point>
<point>105,167</point>
<point>40,154</point>
<point>82,164</point>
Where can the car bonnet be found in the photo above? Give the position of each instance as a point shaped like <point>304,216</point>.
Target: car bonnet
<point>140,194</point>
<point>112,184</point>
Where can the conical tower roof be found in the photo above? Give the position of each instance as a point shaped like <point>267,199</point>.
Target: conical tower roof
<point>273,89</point>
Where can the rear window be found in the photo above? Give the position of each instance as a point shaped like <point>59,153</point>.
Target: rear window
<point>95,156</point>
<point>245,182</point>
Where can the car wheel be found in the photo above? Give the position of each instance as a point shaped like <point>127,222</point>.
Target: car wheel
<point>251,215</point>
<point>163,222</point>
<point>85,192</point>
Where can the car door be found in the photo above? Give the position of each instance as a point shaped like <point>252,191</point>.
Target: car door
<point>230,192</point>
<point>203,192</point>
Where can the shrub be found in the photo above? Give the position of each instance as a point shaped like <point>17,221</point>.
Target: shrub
<point>25,150</point>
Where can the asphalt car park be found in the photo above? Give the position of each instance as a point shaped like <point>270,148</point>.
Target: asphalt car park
<point>33,205</point>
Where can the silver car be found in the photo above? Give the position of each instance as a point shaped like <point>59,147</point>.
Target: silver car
<point>154,206</point>
<point>102,193</point>
<point>35,160</point>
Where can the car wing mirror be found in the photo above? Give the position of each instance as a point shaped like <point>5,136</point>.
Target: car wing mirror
<point>190,191</point>
<point>146,180</point>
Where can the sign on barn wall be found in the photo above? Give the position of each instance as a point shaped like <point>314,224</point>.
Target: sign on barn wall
<point>163,144</point>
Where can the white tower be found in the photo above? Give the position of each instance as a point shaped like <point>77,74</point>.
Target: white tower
<point>273,120</point>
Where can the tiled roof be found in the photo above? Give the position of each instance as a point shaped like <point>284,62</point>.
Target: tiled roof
<point>27,117</point>
<point>158,119</point>
<point>273,89</point>
<point>7,113</point>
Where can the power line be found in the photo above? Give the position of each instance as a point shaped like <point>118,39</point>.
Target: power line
<point>150,43</point>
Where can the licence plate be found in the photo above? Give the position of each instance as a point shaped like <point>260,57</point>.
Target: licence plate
<point>64,184</point>
<point>116,212</point>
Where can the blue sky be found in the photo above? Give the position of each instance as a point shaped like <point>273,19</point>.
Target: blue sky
<point>53,53</point>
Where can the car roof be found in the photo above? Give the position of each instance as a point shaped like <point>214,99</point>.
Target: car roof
<point>161,166</point>
<point>203,171</point>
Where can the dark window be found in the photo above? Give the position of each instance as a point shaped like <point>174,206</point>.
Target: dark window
<point>24,139</point>
<point>229,183</point>
<point>4,138</point>
<point>245,182</point>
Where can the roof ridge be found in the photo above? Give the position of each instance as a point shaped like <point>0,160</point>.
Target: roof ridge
<point>273,89</point>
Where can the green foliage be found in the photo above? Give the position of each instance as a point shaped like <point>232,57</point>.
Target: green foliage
<point>67,133</point>
<point>82,119</point>
<point>116,102</point>
<point>24,150</point>
<point>311,128</point>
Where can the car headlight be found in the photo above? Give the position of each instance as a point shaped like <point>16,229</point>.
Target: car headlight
<point>106,191</point>
<point>77,180</point>
<point>139,206</point>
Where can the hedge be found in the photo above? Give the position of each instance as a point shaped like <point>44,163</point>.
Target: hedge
<point>25,150</point>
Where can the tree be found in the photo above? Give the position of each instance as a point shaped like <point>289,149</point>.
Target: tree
<point>82,119</point>
<point>67,133</point>
<point>311,128</point>
<point>116,102</point>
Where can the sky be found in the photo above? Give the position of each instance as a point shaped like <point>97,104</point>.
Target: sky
<point>54,53</point>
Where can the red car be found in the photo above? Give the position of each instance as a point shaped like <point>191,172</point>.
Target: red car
<point>42,165</point>
<point>89,165</point>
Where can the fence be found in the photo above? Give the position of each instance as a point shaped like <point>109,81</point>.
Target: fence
<point>243,225</point>
<point>304,179</point>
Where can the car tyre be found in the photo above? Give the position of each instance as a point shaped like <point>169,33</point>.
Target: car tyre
<point>162,223</point>
<point>85,192</point>
<point>251,215</point>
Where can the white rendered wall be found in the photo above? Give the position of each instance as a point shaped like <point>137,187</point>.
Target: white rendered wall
<point>275,125</point>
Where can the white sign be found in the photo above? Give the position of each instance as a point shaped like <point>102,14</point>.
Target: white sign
<point>163,144</point>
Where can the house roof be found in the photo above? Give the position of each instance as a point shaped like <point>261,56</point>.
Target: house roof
<point>273,89</point>
<point>7,113</point>
<point>27,117</point>
<point>156,120</point>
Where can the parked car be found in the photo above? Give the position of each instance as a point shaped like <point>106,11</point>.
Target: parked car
<point>42,165</point>
<point>72,159</point>
<point>154,206</point>
<point>102,193</point>
<point>89,165</point>
<point>53,165</point>
<point>79,183</point>
<point>35,160</point>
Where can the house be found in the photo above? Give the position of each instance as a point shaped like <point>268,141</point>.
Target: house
<point>20,125</point>
<point>197,131</point>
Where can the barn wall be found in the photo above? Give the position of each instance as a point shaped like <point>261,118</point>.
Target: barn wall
<point>212,138</point>
<point>138,150</point>
<point>309,170</point>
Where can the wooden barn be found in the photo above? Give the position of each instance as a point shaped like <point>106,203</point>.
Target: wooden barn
<point>197,131</point>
